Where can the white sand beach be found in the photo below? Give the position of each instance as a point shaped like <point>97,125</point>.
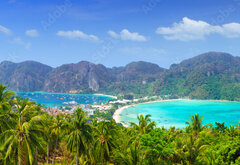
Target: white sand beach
<point>116,115</point>
<point>100,94</point>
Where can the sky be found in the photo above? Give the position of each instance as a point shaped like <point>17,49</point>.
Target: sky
<point>117,32</point>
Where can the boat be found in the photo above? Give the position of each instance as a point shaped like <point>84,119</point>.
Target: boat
<point>70,103</point>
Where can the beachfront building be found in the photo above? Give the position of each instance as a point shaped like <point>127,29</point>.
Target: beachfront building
<point>102,107</point>
<point>91,111</point>
<point>124,101</point>
<point>136,100</point>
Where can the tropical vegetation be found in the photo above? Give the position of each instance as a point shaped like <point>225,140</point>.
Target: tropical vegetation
<point>29,136</point>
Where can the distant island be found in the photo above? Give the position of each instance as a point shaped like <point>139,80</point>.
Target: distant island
<point>212,75</point>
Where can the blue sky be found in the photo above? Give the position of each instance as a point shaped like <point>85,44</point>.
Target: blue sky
<point>116,32</point>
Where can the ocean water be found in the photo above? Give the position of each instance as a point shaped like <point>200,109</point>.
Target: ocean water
<point>175,113</point>
<point>57,99</point>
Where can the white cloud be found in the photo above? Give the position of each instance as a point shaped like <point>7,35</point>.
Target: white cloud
<point>19,41</point>
<point>113,34</point>
<point>126,35</point>
<point>5,30</point>
<point>189,29</point>
<point>32,33</point>
<point>76,34</point>
<point>231,30</point>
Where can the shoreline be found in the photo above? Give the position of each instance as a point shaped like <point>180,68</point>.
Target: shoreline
<point>100,94</point>
<point>57,93</point>
<point>116,115</point>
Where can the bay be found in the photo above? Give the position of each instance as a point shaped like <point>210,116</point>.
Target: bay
<point>57,99</point>
<point>177,112</point>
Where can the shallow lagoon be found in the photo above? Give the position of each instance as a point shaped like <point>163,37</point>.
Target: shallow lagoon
<point>57,99</point>
<point>175,113</point>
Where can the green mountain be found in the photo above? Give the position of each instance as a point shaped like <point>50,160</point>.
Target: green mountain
<point>212,75</point>
<point>83,77</point>
<point>24,76</point>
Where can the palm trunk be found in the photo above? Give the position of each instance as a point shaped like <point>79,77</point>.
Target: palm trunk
<point>76,159</point>
<point>36,156</point>
<point>55,149</point>
<point>47,152</point>
<point>19,151</point>
<point>19,160</point>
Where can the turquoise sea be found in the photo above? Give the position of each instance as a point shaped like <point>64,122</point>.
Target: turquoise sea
<point>175,113</point>
<point>57,99</point>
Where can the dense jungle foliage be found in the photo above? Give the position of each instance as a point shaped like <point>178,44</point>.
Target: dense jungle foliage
<point>29,135</point>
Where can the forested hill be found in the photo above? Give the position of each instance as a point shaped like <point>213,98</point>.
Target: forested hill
<point>211,75</point>
<point>207,76</point>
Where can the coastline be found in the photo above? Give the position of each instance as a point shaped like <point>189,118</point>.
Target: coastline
<point>56,93</point>
<point>116,115</point>
<point>100,94</point>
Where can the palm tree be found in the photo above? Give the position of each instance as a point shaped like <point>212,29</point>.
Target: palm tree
<point>220,127</point>
<point>238,128</point>
<point>80,134</point>
<point>5,95</point>
<point>232,131</point>
<point>7,118</point>
<point>48,122</point>
<point>145,124</point>
<point>209,157</point>
<point>23,138</point>
<point>133,155</point>
<point>188,149</point>
<point>57,126</point>
<point>6,115</point>
<point>195,124</point>
<point>105,135</point>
